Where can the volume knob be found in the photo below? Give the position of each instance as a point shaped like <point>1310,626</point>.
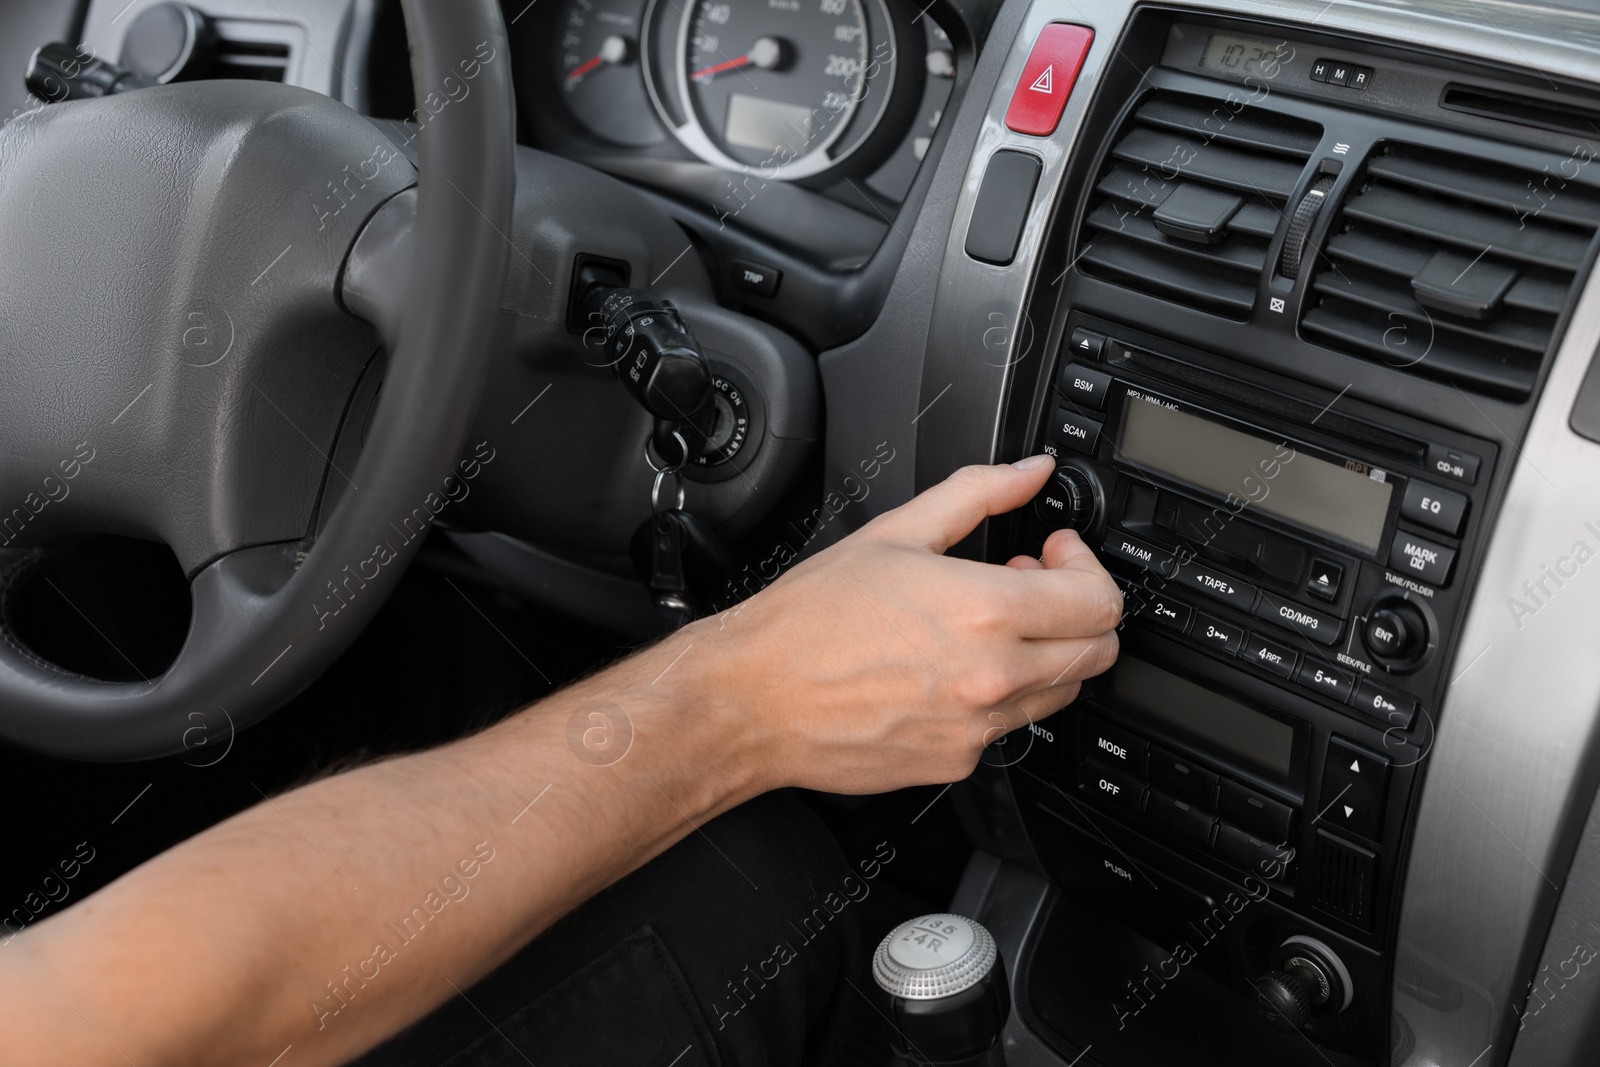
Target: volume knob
<point>1067,501</point>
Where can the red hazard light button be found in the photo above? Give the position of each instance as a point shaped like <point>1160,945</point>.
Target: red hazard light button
<point>1046,82</point>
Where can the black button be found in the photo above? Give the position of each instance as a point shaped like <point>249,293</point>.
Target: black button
<point>1396,630</point>
<point>1259,814</point>
<point>1335,685</point>
<point>1223,588</point>
<point>1132,597</point>
<point>1325,578</point>
<point>1323,629</point>
<point>1449,463</point>
<point>1214,633</point>
<point>1066,501</point>
<point>1113,745</point>
<point>1138,552</point>
<point>1182,779</point>
<point>1114,785</point>
<point>1273,861</point>
<point>1359,77</point>
<point>1421,558</point>
<point>1188,821</point>
<point>1044,746</point>
<point>1268,655</point>
<point>1086,344</point>
<point>1002,206</point>
<point>1083,385</point>
<point>1437,509</point>
<point>756,277</point>
<point>1319,70</point>
<point>1385,705</point>
<point>1338,73</point>
<point>1071,430</point>
<point>1355,789</point>
<point>1167,612</point>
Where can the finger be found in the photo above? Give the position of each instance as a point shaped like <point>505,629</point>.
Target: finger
<point>1071,601</point>
<point>949,511</point>
<point>1065,549</point>
<point>1025,563</point>
<point>995,723</point>
<point>1045,664</point>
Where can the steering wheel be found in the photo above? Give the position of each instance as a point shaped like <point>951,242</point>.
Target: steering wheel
<point>176,364</point>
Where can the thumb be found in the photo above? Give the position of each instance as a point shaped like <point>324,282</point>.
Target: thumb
<point>947,512</point>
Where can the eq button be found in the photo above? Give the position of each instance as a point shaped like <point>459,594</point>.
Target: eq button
<point>1437,509</point>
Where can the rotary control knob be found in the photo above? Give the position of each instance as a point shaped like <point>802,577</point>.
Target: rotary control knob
<point>170,42</point>
<point>946,990</point>
<point>1396,630</point>
<point>1067,501</point>
<point>1283,1000</point>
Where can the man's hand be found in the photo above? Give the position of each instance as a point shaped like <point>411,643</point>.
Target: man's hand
<point>308,923</point>
<point>881,663</point>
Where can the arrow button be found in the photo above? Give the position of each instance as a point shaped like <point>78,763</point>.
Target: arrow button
<point>1355,782</point>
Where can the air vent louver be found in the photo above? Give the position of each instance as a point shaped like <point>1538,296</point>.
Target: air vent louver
<point>1190,199</point>
<point>253,60</point>
<point>1452,268</point>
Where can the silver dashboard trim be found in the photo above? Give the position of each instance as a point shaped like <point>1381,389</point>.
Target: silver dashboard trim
<point>1497,802</point>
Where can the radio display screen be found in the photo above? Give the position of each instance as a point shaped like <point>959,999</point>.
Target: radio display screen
<point>1258,739</point>
<point>1347,504</point>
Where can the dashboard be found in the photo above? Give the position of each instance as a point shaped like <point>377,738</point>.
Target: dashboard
<point>1301,296</point>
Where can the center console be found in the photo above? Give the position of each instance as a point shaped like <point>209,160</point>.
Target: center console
<point>1282,314</point>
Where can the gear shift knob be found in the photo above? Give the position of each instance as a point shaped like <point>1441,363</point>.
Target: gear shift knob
<point>947,992</point>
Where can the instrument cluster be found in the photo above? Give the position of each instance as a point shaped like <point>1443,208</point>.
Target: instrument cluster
<point>813,91</point>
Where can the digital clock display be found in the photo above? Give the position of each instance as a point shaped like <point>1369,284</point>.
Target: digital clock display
<point>1244,56</point>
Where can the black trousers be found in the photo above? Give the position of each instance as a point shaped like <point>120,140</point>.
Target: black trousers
<point>731,948</point>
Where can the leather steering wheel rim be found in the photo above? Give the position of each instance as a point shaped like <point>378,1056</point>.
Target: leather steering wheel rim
<point>258,634</point>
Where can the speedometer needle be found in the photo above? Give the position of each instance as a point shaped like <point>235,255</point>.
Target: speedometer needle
<point>765,54</point>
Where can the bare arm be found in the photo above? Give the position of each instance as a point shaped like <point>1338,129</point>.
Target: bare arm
<point>331,917</point>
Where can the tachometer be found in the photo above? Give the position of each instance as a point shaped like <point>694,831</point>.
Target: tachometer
<point>597,62</point>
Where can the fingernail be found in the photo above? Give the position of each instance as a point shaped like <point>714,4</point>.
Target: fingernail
<point>1033,463</point>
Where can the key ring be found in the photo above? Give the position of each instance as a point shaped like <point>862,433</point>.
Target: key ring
<point>669,468</point>
<point>655,491</point>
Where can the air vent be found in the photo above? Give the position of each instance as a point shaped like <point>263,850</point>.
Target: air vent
<point>1190,199</point>
<point>255,60</point>
<point>1453,267</point>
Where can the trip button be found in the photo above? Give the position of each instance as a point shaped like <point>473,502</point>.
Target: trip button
<point>1083,385</point>
<point>1388,707</point>
<point>1335,685</point>
<point>1323,629</point>
<point>1214,633</point>
<point>1114,785</point>
<point>1071,430</point>
<point>1355,789</point>
<point>1113,745</point>
<point>1421,558</point>
<point>1437,509</point>
<point>1269,655</point>
<point>756,278</point>
<point>1223,588</point>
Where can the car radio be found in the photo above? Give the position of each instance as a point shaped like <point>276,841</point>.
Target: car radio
<point>1293,567</point>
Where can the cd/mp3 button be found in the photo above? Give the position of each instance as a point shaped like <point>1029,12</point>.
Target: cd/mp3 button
<point>1323,629</point>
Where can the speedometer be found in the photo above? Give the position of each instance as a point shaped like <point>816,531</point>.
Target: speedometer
<point>789,87</point>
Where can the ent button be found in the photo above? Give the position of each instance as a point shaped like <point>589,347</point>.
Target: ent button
<point>1047,79</point>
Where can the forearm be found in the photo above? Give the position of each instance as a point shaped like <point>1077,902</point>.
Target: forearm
<point>334,915</point>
